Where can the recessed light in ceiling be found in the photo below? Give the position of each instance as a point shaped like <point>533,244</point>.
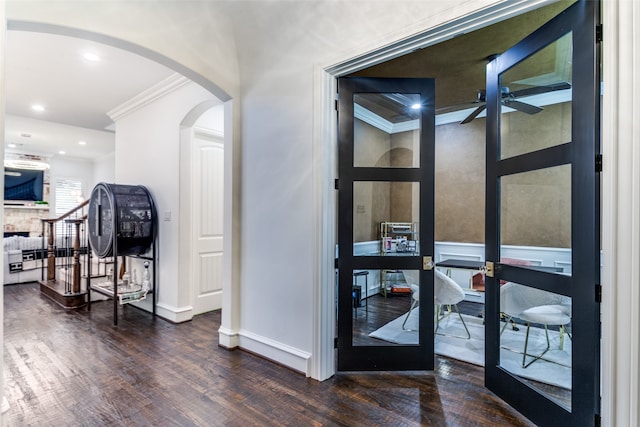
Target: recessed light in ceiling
<point>82,142</point>
<point>90,56</point>
<point>37,107</point>
<point>11,145</point>
<point>62,152</point>
<point>416,106</point>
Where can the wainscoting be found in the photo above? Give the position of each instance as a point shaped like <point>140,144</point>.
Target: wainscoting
<point>539,256</point>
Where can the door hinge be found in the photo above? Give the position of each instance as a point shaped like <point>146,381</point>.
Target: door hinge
<point>598,162</point>
<point>336,184</point>
<point>598,294</point>
<point>335,262</point>
<point>598,33</point>
<point>335,342</point>
<point>488,268</point>
<point>336,104</point>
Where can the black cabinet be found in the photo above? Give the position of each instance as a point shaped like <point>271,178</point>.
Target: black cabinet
<point>123,223</point>
<point>121,220</point>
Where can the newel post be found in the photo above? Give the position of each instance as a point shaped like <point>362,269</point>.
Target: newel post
<point>51,253</point>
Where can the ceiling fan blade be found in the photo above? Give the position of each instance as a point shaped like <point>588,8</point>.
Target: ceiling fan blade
<point>540,89</point>
<point>521,106</point>
<point>473,114</point>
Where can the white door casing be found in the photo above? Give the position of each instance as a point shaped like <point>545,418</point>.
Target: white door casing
<point>207,172</point>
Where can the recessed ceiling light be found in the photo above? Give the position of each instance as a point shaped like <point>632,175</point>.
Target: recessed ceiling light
<point>82,142</point>
<point>37,107</point>
<point>90,56</point>
<point>62,152</point>
<point>416,106</point>
<point>11,145</point>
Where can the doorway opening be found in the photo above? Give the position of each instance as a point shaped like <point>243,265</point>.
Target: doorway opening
<point>106,170</point>
<point>526,244</point>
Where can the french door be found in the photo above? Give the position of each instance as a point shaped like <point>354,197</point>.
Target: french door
<point>543,190</point>
<point>386,133</point>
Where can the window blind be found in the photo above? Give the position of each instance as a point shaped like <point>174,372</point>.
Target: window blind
<point>68,193</point>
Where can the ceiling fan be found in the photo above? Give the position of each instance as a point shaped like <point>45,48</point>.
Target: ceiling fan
<point>510,99</point>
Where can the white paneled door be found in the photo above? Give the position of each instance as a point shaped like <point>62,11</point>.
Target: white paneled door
<point>207,167</point>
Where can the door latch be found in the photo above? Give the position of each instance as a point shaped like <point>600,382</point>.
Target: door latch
<point>488,268</point>
<point>427,263</point>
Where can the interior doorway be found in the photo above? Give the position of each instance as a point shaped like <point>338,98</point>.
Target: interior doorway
<point>179,308</point>
<point>462,223</point>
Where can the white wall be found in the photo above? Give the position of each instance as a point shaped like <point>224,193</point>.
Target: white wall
<point>81,170</point>
<point>281,45</point>
<point>148,153</point>
<point>104,170</point>
<point>212,119</point>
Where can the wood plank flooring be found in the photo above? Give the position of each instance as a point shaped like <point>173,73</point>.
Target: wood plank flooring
<point>74,368</point>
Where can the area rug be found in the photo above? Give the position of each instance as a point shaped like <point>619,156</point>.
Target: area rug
<point>553,369</point>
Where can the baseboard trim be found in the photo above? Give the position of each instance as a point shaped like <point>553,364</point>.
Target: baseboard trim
<point>228,339</point>
<point>174,314</point>
<point>283,354</point>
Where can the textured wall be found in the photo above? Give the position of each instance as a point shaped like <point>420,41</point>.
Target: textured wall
<point>536,206</point>
<point>460,182</point>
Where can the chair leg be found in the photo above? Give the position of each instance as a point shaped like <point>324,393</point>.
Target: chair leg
<point>563,330</point>
<point>506,322</point>
<point>462,320</point>
<point>526,343</point>
<point>440,317</point>
<point>413,305</point>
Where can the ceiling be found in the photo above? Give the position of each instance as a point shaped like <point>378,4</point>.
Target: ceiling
<point>50,70</point>
<point>458,65</point>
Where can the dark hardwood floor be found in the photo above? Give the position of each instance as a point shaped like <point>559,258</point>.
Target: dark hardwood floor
<point>74,368</point>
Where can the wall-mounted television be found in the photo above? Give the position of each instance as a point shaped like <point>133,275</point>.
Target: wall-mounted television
<point>23,184</point>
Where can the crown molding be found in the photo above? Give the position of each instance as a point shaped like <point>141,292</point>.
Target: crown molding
<point>160,89</point>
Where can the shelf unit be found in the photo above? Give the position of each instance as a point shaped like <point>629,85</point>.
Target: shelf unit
<point>397,238</point>
<point>123,223</point>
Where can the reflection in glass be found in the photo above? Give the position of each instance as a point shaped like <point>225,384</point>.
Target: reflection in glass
<point>535,211</point>
<point>385,218</point>
<point>386,130</point>
<point>536,100</point>
<point>535,339</point>
<point>385,307</point>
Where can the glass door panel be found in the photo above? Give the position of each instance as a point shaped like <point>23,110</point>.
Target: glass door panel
<point>386,321</point>
<point>536,100</point>
<point>535,340</point>
<point>535,212</point>
<point>386,218</point>
<point>386,130</point>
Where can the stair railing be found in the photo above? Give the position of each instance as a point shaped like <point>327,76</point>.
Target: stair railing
<point>66,245</point>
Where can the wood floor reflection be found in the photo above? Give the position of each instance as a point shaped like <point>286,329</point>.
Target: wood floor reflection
<point>379,310</point>
<point>74,368</point>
